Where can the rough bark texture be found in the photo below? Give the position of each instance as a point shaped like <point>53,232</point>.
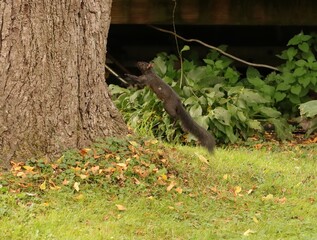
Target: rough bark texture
<point>52,90</point>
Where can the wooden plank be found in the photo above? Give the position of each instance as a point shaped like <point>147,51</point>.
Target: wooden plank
<point>216,12</point>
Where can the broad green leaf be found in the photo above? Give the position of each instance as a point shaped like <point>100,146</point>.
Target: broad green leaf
<point>299,38</point>
<point>291,53</point>
<point>304,81</point>
<point>270,112</point>
<point>279,96</point>
<point>299,71</point>
<point>253,73</point>
<point>304,47</point>
<point>282,128</point>
<point>296,89</point>
<point>251,96</point>
<point>196,111</point>
<point>241,116</point>
<point>254,124</point>
<point>222,115</point>
<point>232,75</point>
<point>301,63</point>
<point>257,82</point>
<point>294,99</point>
<point>283,86</point>
<point>160,66</point>
<point>185,48</point>
<point>308,109</point>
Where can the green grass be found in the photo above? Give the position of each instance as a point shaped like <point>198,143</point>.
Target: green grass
<point>235,194</point>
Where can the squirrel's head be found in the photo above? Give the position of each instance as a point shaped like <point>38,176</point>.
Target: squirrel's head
<point>143,66</point>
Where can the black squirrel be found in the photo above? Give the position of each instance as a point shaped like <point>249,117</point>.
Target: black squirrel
<point>172,103</point>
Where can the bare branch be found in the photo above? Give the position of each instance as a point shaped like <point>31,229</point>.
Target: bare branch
<point>217,49</point>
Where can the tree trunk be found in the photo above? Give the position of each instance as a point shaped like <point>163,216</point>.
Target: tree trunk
<point>52,90</point>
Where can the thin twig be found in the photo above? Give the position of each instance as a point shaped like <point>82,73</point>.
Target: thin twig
<point>115,74</point>
<point>217,49</point>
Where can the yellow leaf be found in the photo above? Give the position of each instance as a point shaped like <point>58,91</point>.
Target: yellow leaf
<point>60,159</point>
<point>28,168</point>
<point>202,158</point>
<point>255,220</point>
<point>164,177</point>
<point>248,232</point>
<point>43,185</point>
<point>123,165</point>
<point>45,204</point>
<point>134,144</point>
<point>83,176</point>
<point>225,177</point>
<point>169,188</point>
<point>76,186</point>
<point>237,189</point>
<point>20,174</point>
<point>79,197</point>
<point>121,207</point>
<point>267,197</point>
<point>55,187</point>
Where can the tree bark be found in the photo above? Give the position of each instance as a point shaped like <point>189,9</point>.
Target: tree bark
<point>53,94</point>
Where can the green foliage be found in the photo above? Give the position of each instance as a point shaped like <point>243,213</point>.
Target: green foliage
<point>211,93</point>
<point>298,75</point>
<point>221,100</point>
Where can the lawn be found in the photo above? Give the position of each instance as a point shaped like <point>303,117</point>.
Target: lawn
<point>135,189</point>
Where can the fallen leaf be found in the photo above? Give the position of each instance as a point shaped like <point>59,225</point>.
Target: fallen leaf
<point>65,182</point>
<point>83,176</point>
<point>237,190</point>
<point>267,197</point>
<point>202,158</point>
<point>169,188</point>
<point>179,190</point>
<point>84,151</point>
<point>95,169</point>
<point>28,168</point>
<point>134,143</point>
<point>76,186</point>
<point>248,232</point>
<point>255,220</point>
<point>79,197</point>
<point>121,207</point>
<point>43,185</point>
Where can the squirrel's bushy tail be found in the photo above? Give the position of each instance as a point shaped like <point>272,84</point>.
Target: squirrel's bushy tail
<point>205,138</point>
